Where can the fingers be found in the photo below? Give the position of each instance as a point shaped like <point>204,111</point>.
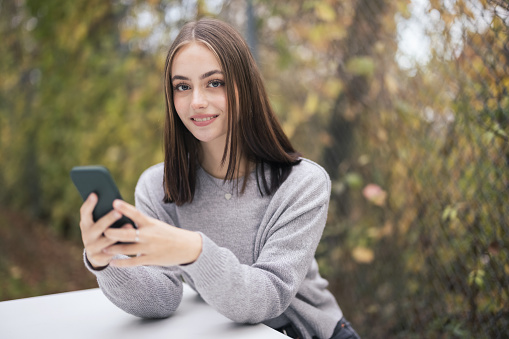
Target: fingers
<point>96,230</point>
<point>126,234</point>
<point>99,245</point>
<point>96,254</point>
<point>86,211</point>
<point>86,218</point>
<point>131,212</point>
<point>127,241</point>
<point>125,249</point>
<point>92,232</point>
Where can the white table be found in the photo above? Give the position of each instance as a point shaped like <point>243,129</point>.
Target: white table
<point>89,314</point>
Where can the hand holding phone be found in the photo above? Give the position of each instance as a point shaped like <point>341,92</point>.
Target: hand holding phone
<point>98,180</point>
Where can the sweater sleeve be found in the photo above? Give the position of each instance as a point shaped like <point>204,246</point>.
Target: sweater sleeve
<point>287,241</point>
<point>145,291</point>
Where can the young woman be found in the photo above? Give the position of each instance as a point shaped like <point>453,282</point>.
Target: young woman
<point>233,210</point>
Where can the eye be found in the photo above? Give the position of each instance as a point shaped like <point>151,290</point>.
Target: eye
<point>181,87</point>
<point>216,83</point>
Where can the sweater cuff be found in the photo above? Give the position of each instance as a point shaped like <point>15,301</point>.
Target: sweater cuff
<point>109,275</point>
<point>209,266</point>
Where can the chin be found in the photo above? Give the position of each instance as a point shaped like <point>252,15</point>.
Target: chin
<point>211,138</point>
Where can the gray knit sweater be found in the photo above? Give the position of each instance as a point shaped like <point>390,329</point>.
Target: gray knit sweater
<point>257,263</point>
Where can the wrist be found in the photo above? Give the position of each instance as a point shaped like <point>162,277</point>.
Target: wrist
<point>95,267</point>
<point>195,248</point>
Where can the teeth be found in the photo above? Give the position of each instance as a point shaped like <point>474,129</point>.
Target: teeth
<point>204,119</point>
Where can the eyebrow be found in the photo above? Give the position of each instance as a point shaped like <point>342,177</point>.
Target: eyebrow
<point>203,76</point>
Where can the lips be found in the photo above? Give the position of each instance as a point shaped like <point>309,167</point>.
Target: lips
<point>203,120</point>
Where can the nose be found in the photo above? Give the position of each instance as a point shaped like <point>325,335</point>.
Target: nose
<point>199,100</point>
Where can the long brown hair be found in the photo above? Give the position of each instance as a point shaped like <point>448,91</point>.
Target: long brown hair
<point>253,129</point>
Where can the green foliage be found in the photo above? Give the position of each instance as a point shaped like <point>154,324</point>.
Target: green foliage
<point>416,242</point>
<point>73,98</point>
<point>363,66</point>
<point>430,258</point>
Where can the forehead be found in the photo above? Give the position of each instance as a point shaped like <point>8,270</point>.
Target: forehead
<point>194,58</point>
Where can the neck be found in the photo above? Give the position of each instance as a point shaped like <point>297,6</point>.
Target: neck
<point>210,161</point>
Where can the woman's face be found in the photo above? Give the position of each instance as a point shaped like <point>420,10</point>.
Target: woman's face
<point>199,93</point>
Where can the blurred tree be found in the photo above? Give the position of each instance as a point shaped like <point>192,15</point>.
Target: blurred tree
<point>416,241</point>
<point>433,138</point>
<point>81,84</point>
<point>77,89</point>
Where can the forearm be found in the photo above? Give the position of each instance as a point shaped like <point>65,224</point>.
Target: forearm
<point>237,291</point>
<point>146,291</point>
<point>263,290</point>
<point>248,294</point>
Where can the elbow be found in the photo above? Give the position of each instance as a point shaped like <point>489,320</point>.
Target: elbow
<point>252,318</point>
<point>155,310</point>
<point>245,318</point>
<point>153,313</point>
<point>250,314</point>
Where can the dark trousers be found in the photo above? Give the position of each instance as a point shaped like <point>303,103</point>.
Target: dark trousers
<point>343,330</point>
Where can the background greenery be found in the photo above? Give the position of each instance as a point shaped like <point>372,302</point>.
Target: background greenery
<point>416,143</point>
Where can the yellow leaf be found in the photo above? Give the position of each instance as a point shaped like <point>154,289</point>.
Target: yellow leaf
<point>353,180</point>
<point>334,31</point>
<point>325,12</point>
<point>16,272</point>
<point>333,87</point>
<point>289,128</point>
<point>391,84</point>
<point>363,255</point>
<point>361,66</point>
<point>311,104</point>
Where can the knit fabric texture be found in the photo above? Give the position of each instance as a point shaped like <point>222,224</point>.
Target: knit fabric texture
<point>257,263</point>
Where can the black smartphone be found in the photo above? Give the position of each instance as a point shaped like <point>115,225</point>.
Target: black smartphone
<point>97,179</point>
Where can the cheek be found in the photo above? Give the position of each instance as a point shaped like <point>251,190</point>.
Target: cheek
<point>179,107</point>
<point>221,101</point>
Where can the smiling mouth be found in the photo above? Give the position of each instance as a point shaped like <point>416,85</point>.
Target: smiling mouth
<point>204,119</point>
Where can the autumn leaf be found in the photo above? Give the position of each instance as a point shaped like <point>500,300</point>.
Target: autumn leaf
<point>362,65</point>
<point>374,194</point>
<point>363,255</point>
<point>325,12</point>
